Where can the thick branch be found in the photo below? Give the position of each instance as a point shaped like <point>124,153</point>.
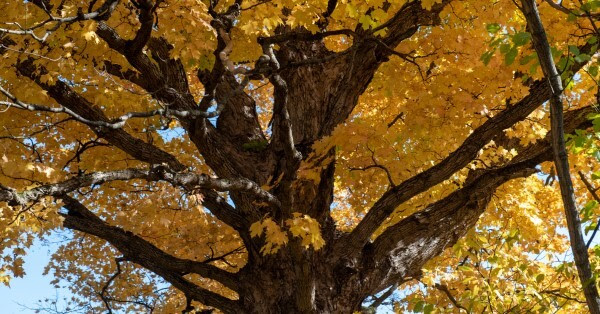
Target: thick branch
<point>561,162</point>
<point>68,98</point>
<point>394,252</point>
<point>166,80</point>
<point>538,94</point>
<point>283,139</point>
<point>142,252</point>
<point>453,216</point>
<point>146,19</point>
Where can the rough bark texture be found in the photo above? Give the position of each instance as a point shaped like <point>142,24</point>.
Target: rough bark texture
<point>315,90</point>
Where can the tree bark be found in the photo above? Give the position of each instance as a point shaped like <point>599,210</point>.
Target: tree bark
<point>315,90</point>
<point>561,161</point>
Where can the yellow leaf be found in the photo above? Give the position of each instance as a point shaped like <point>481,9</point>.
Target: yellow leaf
<point>256,229</point>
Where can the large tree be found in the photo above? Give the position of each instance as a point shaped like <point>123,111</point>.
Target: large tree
<point>274,156</point>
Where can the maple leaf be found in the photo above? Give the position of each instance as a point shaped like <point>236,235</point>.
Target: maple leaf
<point>316,156</point>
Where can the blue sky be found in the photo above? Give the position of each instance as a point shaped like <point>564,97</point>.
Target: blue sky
<point>24,294</point>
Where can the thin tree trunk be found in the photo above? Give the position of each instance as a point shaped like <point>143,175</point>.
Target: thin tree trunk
<point>580,253</point>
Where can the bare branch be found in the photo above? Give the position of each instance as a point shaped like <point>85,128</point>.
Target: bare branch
<point>102,293</point>
<point>113,124</point>
<point>560,7</point>
<point>447,292</point>
<point>102,13</point>
<point>399,116</point>
<point>592,191</point>
<point>188,180</point>
<point>380,299</point>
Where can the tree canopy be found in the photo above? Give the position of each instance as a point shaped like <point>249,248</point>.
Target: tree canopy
<point>282,156</point>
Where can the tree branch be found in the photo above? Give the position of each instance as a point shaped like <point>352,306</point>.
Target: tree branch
<point>446,291</point>
<point>540,92</point>
<point>379,300</point>
<point>146,18</point>
<point>402,249</point>
<point>114,123</point>
<point>114,276</point>
<point>592,191</point>
<point>188,180</point>
<point>68,98</point>
<point>103,13</point>
<point>561,162</point>
<point>145,254</point>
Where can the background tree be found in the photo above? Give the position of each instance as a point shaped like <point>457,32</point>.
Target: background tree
<point>288,156</point>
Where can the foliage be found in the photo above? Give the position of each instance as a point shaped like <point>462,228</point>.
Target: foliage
<point>204,171</point>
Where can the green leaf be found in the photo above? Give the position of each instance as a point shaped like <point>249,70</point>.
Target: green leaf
<point>539,278</point>
<point>464,268</point>
<point>595,121</point>
<point>593,70</point>
<point>510,56</point>
<point>590,227</point>
<point>528,58</point>
<point>596,154</point>
<point>588,209</point>
<point>496,42</point>
<point>572,17</point>
<point>574,50</point>
<point>487,57</point>
<point>523,267</point>
<point>533,68</point>
<point>419,306</point>
<point>582,58</point>
<point>492,28</point>
<point>597,250</point>
<point>555,52</point>
<point>579,141</point>
<point>562,63</point>
<point>428,308</point>
<point>595,175</point>
<point>520,39</point>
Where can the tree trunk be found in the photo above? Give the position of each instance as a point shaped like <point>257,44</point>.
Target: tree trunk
<point>315,90</point>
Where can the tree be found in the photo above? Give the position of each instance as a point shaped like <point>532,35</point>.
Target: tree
<point>284,156</point>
